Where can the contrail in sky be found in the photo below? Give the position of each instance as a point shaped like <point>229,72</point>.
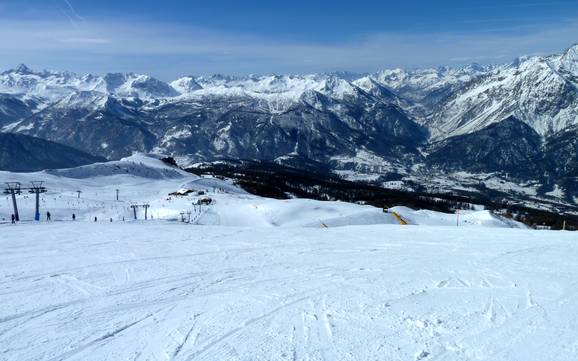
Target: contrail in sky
<point>73,11</point>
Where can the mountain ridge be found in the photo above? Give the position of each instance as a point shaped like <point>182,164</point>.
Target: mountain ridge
<point>23,153</point>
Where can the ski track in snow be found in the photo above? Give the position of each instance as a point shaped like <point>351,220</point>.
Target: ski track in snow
<point>252,278</point>
<point>169,291</point>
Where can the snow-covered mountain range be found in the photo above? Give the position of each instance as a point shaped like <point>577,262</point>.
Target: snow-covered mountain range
<point>516,122</point>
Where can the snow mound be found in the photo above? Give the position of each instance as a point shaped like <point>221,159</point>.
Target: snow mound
<point>138,165</point>
<point>253,211</point>
<point>482,218</point>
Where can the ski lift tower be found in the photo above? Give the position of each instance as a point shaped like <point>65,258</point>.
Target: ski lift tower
<point>37,188</point>
<point>13,188</point>
<point>146,208</point>
<point>134,208</point>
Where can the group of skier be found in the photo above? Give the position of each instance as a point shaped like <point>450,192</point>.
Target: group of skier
<point>15,219</point>
<point>48,217</point>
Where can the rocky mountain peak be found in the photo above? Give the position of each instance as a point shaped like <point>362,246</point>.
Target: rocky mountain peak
<point>569,59</point>
<point>22,69</point>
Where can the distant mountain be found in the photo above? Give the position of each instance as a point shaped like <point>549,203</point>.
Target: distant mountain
<point>510,147</point>
<point>22,153</point>
<point>427,86</point>
<point>401,128</point>
<point>542,91</point>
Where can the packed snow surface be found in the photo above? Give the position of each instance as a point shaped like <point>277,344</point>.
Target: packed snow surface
<point>172,291</point>
<point>250,278</point>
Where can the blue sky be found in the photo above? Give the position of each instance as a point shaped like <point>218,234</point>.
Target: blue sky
<point>172,38</point>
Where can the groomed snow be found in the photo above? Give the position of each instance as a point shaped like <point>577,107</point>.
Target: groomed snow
<point>171,291</point>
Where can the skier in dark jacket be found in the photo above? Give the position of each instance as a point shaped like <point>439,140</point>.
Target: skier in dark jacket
<point>13,219</point>
<point>47,216</point>
<point>73,217</point>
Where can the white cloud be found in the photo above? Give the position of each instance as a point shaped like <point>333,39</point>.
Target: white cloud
<point>86,40</point>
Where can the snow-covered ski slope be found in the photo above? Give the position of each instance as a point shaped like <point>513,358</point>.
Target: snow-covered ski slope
<point>141,179</point>
<point>261,279</point>
<point>161,291</point>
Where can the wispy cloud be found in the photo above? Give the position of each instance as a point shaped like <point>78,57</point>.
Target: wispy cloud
<point>86,40</point>
<point>72,10</point>
<point>168,51</point>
